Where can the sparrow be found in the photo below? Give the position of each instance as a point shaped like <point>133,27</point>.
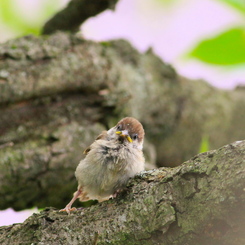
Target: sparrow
<point>115,156</point>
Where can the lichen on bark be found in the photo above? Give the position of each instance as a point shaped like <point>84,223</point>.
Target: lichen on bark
<point>199,201</point>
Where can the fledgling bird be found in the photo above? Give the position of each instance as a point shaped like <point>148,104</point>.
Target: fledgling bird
<point>114,157</point>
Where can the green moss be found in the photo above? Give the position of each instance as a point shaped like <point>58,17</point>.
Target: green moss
<point>105,44</point>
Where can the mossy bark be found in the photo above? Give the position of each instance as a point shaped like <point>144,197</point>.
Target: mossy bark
<point>199,202</point>
<point>117,81</point>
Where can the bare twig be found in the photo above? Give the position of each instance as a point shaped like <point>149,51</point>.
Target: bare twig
<point>76,12</point>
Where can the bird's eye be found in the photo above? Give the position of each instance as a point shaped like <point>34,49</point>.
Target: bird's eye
<point>134,136</point>
<point>119,127</point>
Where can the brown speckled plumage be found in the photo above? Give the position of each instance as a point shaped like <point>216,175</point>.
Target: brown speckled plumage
<point>114,157</point>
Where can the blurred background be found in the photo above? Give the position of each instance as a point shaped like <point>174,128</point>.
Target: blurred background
<point>202,39</point>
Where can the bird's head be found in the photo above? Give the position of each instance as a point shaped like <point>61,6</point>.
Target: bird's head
<point>129,131</point>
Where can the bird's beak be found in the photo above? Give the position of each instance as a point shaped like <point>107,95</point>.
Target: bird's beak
<point>124,133</point>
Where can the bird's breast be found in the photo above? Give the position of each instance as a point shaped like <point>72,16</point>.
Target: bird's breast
<point>107,168</point>
<point>115,157</point>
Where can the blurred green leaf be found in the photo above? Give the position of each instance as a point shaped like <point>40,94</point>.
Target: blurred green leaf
<point>228,48</point>
<point>167,1</point>
<point>204,144</point>
<point>237,4</point>
<point>49,8</point>
<point>11,17</point>
<point>16,20</point>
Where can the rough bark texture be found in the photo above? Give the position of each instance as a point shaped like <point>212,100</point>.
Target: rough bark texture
<point>76,12</point>
<point>58,92</point>
<point>200,202</point>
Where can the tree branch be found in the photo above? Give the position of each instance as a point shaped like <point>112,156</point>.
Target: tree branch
<point>57,93</point>
<point>76,12</point>
<point>199,202</point>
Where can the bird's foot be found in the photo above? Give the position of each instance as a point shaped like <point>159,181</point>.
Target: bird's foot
<point>68,209</point>
<point>117,192</point>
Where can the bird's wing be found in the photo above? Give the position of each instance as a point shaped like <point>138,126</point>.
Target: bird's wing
<point>102,136</point>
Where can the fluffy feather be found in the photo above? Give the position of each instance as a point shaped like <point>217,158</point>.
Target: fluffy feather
<point>114,157</point>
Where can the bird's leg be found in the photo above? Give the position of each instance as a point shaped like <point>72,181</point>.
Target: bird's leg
<point>68,207</point>
<point>117,192</point>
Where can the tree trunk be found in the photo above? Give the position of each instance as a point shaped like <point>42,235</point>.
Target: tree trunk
<point>200,202</point>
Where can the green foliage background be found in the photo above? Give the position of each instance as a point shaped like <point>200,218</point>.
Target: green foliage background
<point>226,48</point>
<point>16,20</point>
